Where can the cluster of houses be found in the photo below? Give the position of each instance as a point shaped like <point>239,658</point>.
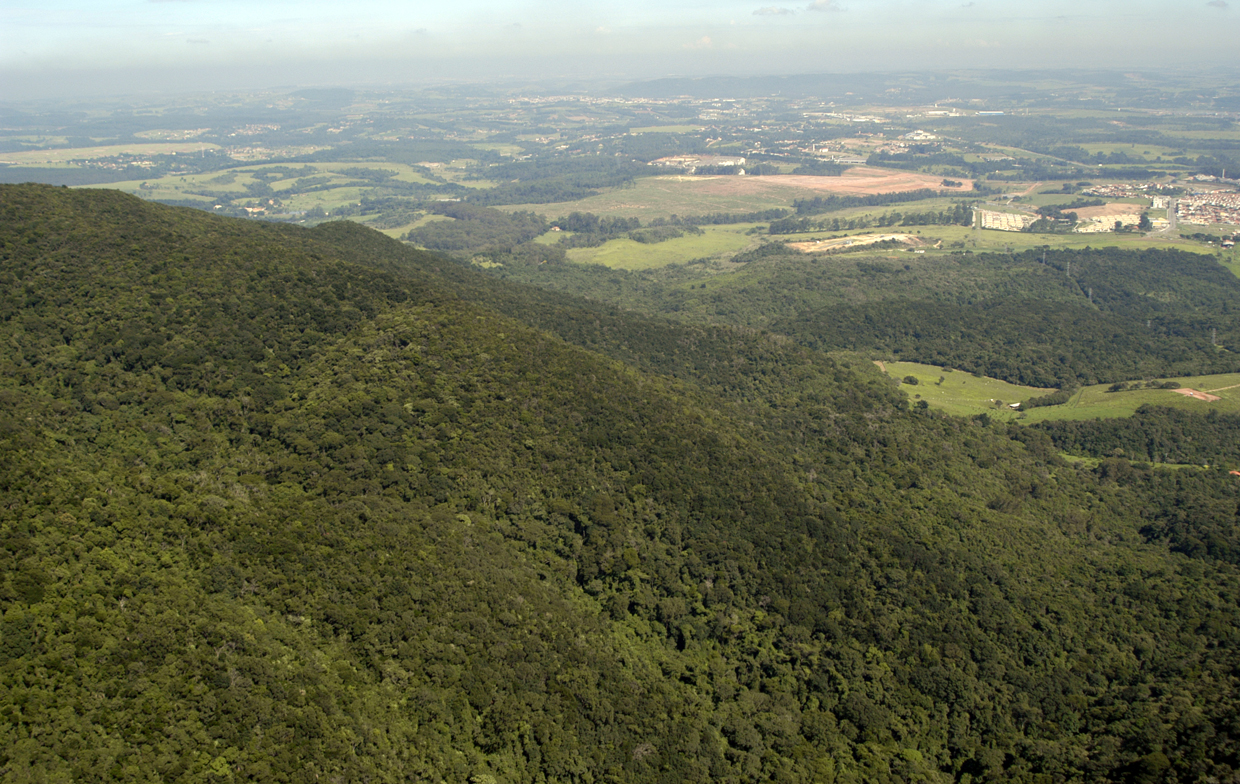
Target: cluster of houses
<point>1207,209</point>
<point>1005,221</point>
<point>1124,190</point>
<point>691,163</point>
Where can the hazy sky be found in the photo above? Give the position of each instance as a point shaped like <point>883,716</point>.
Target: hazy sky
<point>119,46</point>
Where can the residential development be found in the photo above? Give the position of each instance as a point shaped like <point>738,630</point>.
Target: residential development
<point>1206,209</point>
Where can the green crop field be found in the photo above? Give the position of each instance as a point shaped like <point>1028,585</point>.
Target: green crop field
<point>630,255</point>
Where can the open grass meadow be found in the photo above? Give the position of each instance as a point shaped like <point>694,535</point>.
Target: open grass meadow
<point>324,185</point>
<point>1231,261</point>
<point>648,198</point>
<point>988,240</point>
<point>1096,402</point>
<point>630,255</point>
<point>961,393</point>
<point>958,392</point>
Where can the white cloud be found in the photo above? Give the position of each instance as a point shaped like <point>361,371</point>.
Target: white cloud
<point>772,10</point>
<point>702,43</point>
<point>824,5</point>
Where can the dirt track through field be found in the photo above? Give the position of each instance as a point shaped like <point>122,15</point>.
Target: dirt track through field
<point>1223,389</point>
<point>1196,395</point>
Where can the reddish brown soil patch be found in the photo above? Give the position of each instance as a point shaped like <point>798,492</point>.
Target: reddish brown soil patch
<point>859,180</point>
<point>854,241</point>
<point>1197,395</point>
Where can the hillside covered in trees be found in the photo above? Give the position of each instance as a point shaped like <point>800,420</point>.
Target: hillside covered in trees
<point>304,505</point>
<point>1040,318</point>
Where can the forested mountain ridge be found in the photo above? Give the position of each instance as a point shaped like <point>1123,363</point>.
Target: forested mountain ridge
<point>286,505</point>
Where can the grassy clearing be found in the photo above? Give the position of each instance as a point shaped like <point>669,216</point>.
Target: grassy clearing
<point>1232,262</point>
<point>630,255</point>
<point>1093,462</point>
<point>980,240</point>
<point>233,184</point>
<point>399,231</point>
<point>963,394</point>
<point>1147,152</point>
<point>552,237</point>
<point>1097,403</point>
<point>510,150</point>
<point>658,197</point>
<point>960,393</point>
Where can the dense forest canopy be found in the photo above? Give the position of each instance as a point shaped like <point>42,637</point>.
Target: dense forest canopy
<point>292,505</point>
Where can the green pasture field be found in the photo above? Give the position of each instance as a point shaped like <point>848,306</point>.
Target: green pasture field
<point>1052,195</point>
<point>630,255</point>
<point>964,394</point>
<point>961,393</point>
<point>509,150</point>
<point>666,129</point>
<point>1146,151</point>
<point>552,237</point>
<point>1097,403</point>
<point>404,172</point>
<point>34,142</point>
<point>399,231</point>
<point>36,157</point>
<point>234,182</point>
<point>660,196</point>
<point>1232,262</point>
<point>979,240</point>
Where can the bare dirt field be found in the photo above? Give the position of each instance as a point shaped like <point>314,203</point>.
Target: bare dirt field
<point>1185,391</point>
<point>1114,208</point>
<point>859,180</point>
<point>856,240</point>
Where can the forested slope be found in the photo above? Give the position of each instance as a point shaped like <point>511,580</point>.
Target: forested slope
<point>1064,317</point>
<point>287,505</point>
